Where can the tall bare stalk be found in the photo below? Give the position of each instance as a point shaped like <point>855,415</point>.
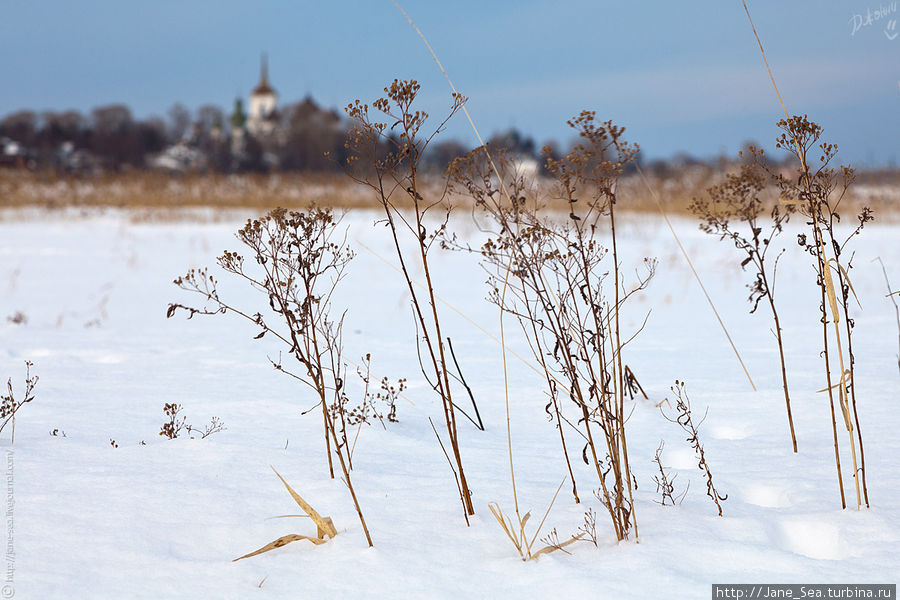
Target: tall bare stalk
<point>818,193</point>
<point>813,191</point>
<point>738,198</point>
<point>385,156</point>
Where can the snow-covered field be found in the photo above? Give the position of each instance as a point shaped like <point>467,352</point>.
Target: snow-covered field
<point>158,518</point>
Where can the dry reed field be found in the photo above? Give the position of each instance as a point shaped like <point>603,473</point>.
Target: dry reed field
<point>168,194</point>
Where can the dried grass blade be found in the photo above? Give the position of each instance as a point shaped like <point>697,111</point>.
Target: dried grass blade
<point>498,514</point>
<point>829,288</point>
<point>325,524</point>
<point>841,386</point>
<point>850,284</point>
<point>845,405</point>
<point>549,549</point>
<point>282,541</point>
<point>552,501</point>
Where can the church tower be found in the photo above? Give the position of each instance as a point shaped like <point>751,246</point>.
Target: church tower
<point>261,120</point>
<point>238,125</point>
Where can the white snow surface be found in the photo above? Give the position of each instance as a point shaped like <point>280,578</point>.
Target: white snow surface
<point>165,519</point>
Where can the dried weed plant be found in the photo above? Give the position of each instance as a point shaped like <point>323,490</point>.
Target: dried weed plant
<point>684,418</point>
<point>549,274</point>
<point>9,406</point>
<point>589,527</point>
<point>296,261</point>
<point>380,405</point>
<point>665,485</point>
<point>177,423</point>
<point>18,318</point>
<point>734,210</point>
<point>385,148</point>
<point>817,193</point>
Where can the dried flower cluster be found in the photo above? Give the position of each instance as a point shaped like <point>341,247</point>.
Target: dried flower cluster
<point>176,423</point>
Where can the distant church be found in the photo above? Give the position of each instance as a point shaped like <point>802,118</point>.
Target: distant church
<point>262,120</point>
<point>263,117</point>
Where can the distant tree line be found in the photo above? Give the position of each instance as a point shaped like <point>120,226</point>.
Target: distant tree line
<point>110,138</point>
<point>109,133</point>
<point>309,138</point>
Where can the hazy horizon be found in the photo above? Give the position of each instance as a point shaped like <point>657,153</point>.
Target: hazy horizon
<point>681,78</point>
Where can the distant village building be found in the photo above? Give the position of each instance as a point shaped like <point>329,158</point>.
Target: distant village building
<point>179,158</point>
<point>13,154</point>
<point>527,168</point>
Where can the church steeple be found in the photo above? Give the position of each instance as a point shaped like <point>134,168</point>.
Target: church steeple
<point>262,117</point>
<point>264,87</point>
<point>264,70</point>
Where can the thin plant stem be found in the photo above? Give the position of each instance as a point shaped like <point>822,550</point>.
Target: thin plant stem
<point>837,454</point>
<point>778,336</point>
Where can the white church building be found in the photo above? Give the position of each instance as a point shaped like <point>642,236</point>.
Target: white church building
<point>261,121</point>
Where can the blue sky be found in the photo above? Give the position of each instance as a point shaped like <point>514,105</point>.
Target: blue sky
<point>683,76</point>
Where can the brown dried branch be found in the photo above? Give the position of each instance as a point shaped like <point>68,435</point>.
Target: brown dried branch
<point>685,420</point>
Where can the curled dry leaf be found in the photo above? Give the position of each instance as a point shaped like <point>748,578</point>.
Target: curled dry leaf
<point>324,525</point>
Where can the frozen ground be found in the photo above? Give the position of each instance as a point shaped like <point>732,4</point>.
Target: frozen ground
<point>164,520</point>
